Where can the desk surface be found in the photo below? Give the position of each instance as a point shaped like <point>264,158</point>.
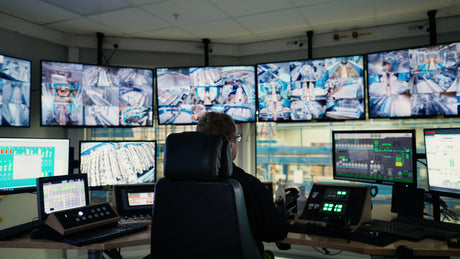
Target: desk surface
<point>427,247</point>
<point>135,239</point>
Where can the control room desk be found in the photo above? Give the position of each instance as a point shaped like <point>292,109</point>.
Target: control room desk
<point>94,250</point>
<point>426,247</point>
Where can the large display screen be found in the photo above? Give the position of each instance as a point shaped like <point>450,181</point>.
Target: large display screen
<point>110,163</point>
<point>14,91</point>
<point>417,82</point>
<point>23,160</point>
<point>184,94</point>
<point>308,90</point>
<point>378,156</point>
<point>89,95</point>
<point>442,160</point>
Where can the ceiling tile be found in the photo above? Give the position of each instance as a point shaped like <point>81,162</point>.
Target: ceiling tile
<point>237,8</point>
<point>88,7</point>
<point>171,33</point>
<point>130,20</point>
<point>334,14</point>
<point>217,29</point>
<point>83,26</point>
<point>142,2</point>
<point>38,12</point>
<point>188,11</point>
<point>387,7</point>
<point>274,21</point>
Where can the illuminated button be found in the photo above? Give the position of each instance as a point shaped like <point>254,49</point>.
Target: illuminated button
<point>80,213</point>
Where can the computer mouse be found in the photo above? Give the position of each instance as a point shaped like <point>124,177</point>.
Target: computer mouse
<point>373,234</point>
<point>453,242</point>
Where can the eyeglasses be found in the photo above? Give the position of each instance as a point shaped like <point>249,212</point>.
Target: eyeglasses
<point>238,137</point>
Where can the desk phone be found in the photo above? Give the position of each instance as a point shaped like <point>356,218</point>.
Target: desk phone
<point>134,202</point>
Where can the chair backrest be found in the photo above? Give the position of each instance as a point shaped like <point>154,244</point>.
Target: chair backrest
<point>199,211</point>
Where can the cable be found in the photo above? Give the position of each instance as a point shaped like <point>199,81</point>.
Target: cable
<point>326,251</point>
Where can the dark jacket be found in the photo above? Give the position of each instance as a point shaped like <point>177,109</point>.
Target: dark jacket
<point>266,221</point>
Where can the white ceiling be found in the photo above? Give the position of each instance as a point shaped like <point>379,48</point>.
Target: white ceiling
<point>221,21</point>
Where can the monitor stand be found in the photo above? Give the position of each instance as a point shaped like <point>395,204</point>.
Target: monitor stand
<point>408,200</point>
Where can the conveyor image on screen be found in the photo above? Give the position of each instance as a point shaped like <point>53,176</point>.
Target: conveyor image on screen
<point>322,89</point>
<point>418,82</point>
<point>118,162</point>
<point>89,95</point>
<point>14,91</point>
<point>184,94</point>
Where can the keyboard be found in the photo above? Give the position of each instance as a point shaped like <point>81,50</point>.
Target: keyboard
<point>403,230</point>
<point>433,229</point>
<point>18,230</point>
<point>102,234</point>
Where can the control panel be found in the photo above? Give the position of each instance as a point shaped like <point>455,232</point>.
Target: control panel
<point>346,202</point>
<point>82,218</point>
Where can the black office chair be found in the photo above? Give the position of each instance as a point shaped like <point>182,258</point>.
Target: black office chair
<point>199,212</point>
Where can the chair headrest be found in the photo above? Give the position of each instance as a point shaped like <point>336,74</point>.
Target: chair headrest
<point>197,156</point>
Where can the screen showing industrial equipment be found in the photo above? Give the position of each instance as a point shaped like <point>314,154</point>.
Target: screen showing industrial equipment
<point>184,94</point>
<point>110,163</point>
<point>417,82</point>
<point>14,91</point>
<point>76,94</point>
<point>311,90</point>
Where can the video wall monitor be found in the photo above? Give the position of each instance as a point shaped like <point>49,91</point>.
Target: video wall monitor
<point>23,160</point>
<point>110,163</point>
<point>311,90</point>
<point>377,156</point>
<point>14,91</point>
<point>184,94</point>
<point>56,193</point>
<point>442,159</point>
<point>417,82</point>
<point>90,95</point>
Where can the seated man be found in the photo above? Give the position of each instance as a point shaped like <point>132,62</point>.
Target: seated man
<point>266,222</point>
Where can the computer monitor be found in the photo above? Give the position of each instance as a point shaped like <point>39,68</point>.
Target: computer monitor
<point>22,160</point>
<point>56,193</point>
<point>15,77</point>
<point>327,89</point>
<point>82,95</point>
<point>184,94</point>
<point>442,158</point>
<point>416,82</point>
<point>134,199</point>
<point>109,163</point>
<point>375,156</point>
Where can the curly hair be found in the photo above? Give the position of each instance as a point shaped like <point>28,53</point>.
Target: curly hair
<point>217,122</point>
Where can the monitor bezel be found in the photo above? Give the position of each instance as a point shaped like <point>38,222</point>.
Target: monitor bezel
<point>402,117</point>
<point>31,189</point>
<point>110,186</point>
<point>41,180</point>
<point>157,107</point>
<point>29,97</point>
<point>377,181</point>
<point>96,126</point>
<point>439,192</point>
<point>364,99</point>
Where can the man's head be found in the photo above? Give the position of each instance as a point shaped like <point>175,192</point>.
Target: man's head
<point>220,123</point>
